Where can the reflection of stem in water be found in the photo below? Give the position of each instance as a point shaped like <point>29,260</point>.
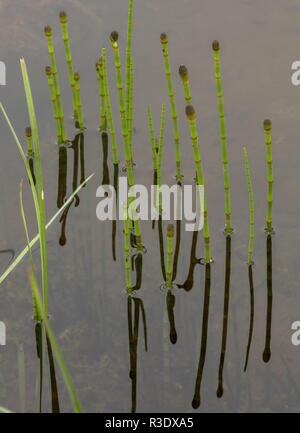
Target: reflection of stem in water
<point>114,222</point>
<point>39,350</point>
<point>267,350</point>
<point>189,282</point>
<point>250,254</point>
<point>62,182</point>
<point>82,164</point>
<point>197,398</point>
<point>133,333</point>
<point>170,300</point>
<point>225,316</point>
<point>138,266</point>
<point>154,184</point>
<point>62,175</point>
<point>105,176</point>
<point>54,392</point>
<point>251,286</point>
<point>22,378</point>
<point>30,153</point>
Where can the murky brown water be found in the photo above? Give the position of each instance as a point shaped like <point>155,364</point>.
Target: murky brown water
<point>87,302</point>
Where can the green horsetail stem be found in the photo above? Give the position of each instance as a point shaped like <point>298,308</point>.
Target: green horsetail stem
<point>114,36</point>
<point>63,18</point>
<point>78,101</point>
<point>101,89</point>
<point>127,252</point>
<point>159,157</point>
<point>152,138</point>
<point>216,50</point>
<point>164,43</point>
<point>109,110</point>
<point>191,115</point>
<point>128,156</point>
<point>129,86</point>
<point>48,34</point>
<point>130,107</point>
<point>170,240</point>
<point>184,75</point>
<point>251,208</point>
<point>49,74</point>
<point>268,140</point>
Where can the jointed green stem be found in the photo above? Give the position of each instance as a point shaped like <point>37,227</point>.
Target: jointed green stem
<point>152,138</point>
<point>48,34</point>
<point>170,239</point>
<point>251,209</point>
<point>54,104</point>
<point>216,50</point>
<point>159,157</point>
<point>191,115</point>
<point>101,88</point>
<point>268,140</point>
<point>128,156</point>
<point>63,18</point>
<point>184,75</point>
<point>78,101</point>
<point>109,110</point>
<point>164,43</point>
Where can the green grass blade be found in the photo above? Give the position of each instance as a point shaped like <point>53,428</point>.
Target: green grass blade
<point>39,182</point>
<point>55,347</point>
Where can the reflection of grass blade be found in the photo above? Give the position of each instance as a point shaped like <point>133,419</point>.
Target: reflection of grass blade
<point>4,410</point>
<point>55,347</point>
<point>36,238</point>
<point>39,181</point>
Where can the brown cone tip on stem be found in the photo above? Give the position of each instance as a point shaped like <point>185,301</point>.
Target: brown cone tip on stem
<point>28,132</point>
<point>164,38</point>
<point>216,45</point>
<point>190,112</point>
<point>114,36</point>
<point>183,72</point>
<point>76,76</point>
<point>267,125</point>
<point>63,18</point>
<point>48,31</point>
<point>170,231</point>
<point>48,70</point>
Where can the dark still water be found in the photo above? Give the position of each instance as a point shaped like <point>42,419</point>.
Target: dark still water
<point>87,301</point>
